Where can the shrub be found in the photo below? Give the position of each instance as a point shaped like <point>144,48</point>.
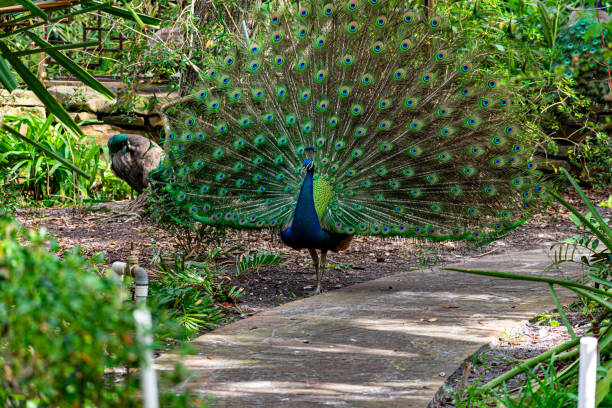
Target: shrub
<point>67,337</point>
<point>40,176</point>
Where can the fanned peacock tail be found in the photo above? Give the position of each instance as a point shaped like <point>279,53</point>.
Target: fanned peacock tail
<point>582,56</point>
<point>413,136</point>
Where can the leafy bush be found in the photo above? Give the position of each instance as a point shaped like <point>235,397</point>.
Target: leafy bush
<point>40,176</point>
<point>529,42</point>
<point>9,196</point>
<point>18,46</point>
<point>64,329</point>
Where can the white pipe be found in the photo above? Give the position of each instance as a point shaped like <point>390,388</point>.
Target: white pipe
<point>119,269</point>
<point>587,380</point>
<point>148,378</point>
<point>141,279</point>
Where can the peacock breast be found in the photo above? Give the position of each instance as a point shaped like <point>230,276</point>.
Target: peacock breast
<point>322,193</point>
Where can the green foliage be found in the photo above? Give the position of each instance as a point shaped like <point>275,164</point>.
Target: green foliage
<point>529,38</point>
<point>40,176</point>
<point>12,42</point>
<point>548,319</point>
<point>256,260</point>
<point>191,292</point>
<point>541,391</point>
<point>65,331</point>
<point>9,196</point>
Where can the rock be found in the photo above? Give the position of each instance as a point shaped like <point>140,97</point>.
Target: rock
<point>102,132</point>
<point>124,120</point>
<point>553,164</point>
<point>167,35</point>
<point>83,116</point>
<point>19,97</point>
<point>23,111</point>
<point>144,103</point>
<point>82,98</point>
<point>588,14</point>
<point>155,121</point>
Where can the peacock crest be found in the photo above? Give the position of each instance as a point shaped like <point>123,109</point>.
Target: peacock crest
<point>413,134</point>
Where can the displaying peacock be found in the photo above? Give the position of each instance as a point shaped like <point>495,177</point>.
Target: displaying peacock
<point>350,117</point>
<point>582,55</point>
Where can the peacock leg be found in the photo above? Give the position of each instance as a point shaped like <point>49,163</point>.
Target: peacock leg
<point>323,260</point>
<point>315,262</point>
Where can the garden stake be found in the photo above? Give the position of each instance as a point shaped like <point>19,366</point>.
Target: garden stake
<point>587,372</point>
<point>245,32</point>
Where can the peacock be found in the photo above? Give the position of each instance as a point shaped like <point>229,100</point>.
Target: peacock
<point>336,118</point>
<point>582,55</point>
<point>133,157</point>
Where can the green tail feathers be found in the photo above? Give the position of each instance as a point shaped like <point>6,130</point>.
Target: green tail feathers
<point>413,135</point>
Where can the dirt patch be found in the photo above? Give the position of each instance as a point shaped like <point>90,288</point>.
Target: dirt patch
<point>112,231</point>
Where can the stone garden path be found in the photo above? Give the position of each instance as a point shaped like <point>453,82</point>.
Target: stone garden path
<point>384,343</point>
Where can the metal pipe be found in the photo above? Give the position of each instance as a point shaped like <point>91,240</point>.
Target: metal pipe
<point>118,269</point>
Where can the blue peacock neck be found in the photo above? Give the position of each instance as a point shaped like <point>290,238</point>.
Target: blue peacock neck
<point>305,230</point>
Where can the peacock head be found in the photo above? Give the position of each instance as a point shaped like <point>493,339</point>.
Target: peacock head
<point>309,165</point>
<point>117,143</point>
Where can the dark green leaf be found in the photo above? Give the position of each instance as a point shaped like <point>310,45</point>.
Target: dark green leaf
<point>119,12</point>
<point>6,76</point>
<point>31,7</point>
<point>73,68</point>
<point>594,31</point>
<point>39,90</point>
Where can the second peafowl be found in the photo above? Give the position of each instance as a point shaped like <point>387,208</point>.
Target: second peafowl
<point>338,118</point>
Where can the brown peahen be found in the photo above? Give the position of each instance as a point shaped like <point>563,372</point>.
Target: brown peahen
<point>133,157</point>
<point>351,117</point>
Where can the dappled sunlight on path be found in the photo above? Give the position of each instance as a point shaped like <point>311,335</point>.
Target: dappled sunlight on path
<point>385,343</point>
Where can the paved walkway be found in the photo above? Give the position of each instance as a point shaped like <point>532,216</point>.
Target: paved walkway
<point>366,345</point>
